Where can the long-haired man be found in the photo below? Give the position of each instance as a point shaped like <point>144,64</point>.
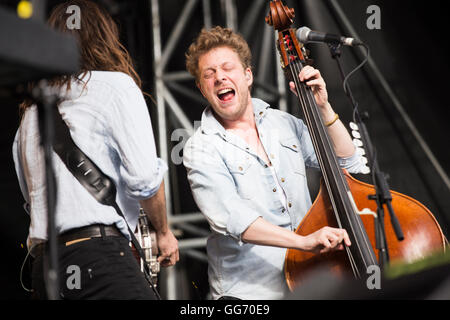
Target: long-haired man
<point>108,120</point>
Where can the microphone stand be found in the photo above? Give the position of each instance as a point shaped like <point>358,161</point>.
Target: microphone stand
<point>47,102</point>
<point>382,194</point>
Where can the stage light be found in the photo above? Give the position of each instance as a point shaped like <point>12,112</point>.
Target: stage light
<point>25,9</point>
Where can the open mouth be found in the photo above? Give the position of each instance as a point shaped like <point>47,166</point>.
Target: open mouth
<point>225,94</point>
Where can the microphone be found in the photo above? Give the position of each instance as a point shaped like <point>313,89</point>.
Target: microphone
<point>305,35</point>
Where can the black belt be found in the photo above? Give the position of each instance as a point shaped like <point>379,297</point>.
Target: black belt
<point>92,231</point>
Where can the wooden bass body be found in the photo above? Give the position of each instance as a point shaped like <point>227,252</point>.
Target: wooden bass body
<point>422,232</point>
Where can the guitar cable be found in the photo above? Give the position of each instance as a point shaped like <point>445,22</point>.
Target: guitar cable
<point>152,285</point>
<point>21,272</point>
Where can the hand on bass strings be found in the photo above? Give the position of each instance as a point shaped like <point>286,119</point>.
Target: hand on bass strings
<point>326,239</point>
<point>313,79</point>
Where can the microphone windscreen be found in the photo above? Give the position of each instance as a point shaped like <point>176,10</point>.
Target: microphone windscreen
<point>302,34</point>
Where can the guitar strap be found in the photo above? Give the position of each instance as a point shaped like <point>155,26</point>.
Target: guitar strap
<point>98,184</point>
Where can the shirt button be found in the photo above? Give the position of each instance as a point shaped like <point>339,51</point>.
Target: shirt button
<point>290,204</point>
<point>240,168</point>
<point>274,190</point>
<point>261,113</point>
<point>294,146</point>
<point>282,180</point>
<point>283,210</point>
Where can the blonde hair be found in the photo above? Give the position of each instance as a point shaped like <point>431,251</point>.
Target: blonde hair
<point>214,38</point>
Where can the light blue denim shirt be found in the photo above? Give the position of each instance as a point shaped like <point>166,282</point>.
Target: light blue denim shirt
<point>109,120</point>
<point>232,187</point>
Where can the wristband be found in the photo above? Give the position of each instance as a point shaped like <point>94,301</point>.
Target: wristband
<point>336,116</point>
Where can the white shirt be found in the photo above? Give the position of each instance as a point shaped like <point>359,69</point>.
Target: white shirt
<point>109,121</point>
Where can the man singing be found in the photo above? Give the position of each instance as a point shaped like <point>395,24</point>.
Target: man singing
<point>246,168</point>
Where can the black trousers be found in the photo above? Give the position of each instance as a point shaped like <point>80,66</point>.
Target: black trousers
<point>100,268</point>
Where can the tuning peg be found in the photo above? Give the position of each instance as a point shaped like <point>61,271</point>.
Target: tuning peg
<point>360,151</point>
<point>357,143</point>
<point>365,170</point>
<point>363,160</point>
<point>353,126</point>
<point>356,134</point>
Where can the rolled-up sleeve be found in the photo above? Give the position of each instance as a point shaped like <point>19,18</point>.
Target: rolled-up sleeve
<point>132,139</point>
<point>214,190</point>
<point>353,164</point>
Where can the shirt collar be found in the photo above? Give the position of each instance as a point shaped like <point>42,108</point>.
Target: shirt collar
<point>210,125</point>
<point>259,109</point>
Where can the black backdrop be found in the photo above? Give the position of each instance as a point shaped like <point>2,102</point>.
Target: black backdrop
<point>409,50</point>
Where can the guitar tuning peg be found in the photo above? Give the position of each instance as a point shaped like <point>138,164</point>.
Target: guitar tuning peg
<point>360,151</point>
<point>353,126</point>
<point>356,134</point>
<point>365,170</point>
<point>357,143</point>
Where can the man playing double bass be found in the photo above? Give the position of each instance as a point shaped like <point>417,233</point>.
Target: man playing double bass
<point>246,168</point>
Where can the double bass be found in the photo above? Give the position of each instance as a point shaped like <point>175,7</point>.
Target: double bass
<point>343,201</point>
